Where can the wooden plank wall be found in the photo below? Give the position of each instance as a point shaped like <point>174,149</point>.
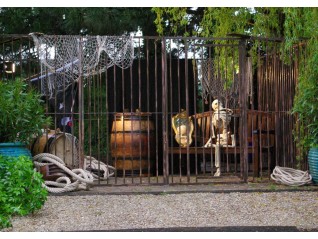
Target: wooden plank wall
<point>276,87</point>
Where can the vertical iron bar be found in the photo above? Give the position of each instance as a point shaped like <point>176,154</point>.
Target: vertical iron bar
<point>187,103</point>
<point>114,130</point>
<point>100,134</point>
<point>195,86</point>
<point>179,109</point>
<point>243,100</point>
<point>140,108</point>
<point>215,76</point>
<point>81,106</point>
<point>171,162</point>
<point>149,147</point>
<point>164,112</point>
<point>131,110</point>
<point>124,129</point>
<point>89,112</point>
<point>156,110</point>
<point>260,80</point>
<point>107,120</point>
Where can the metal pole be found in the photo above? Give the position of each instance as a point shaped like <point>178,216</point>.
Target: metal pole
<point>81,107</point>
<point>243,106</point>
<point>165,155</point>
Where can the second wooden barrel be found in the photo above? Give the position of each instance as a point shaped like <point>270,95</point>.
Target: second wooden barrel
<point>63,145</point>
<point>132,143</point>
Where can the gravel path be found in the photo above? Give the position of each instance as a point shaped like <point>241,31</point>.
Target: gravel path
<point>113,212</point>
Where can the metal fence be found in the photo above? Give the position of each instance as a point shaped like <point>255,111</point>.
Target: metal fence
<point>154,122</point>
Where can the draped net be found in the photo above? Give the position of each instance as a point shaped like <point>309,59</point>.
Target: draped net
<point>64,58</point>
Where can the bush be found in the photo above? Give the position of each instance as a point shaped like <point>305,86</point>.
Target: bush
<point>21,191</point>
<point>22,113</point>
<point>306,101</point>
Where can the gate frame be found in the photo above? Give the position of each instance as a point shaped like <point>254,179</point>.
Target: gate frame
<point>243,106</point>
<point>243,97</point>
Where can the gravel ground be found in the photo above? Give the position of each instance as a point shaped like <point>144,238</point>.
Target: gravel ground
<point>116,212</point>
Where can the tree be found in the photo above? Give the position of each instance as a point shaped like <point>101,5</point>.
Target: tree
<point>292,24</point>
<point>74,21</point>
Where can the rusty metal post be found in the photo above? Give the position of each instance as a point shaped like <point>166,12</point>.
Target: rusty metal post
<point>80,109</point>
<point>165,155</point>
<point>187,103</point>
<point>243,109</point>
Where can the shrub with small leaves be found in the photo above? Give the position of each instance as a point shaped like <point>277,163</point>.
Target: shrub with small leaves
<point>22,112</point>
<point>21,191</point>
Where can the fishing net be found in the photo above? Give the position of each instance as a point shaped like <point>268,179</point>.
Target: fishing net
<point>65,58</point>
<point>224,84</point>
<point>215,83</point>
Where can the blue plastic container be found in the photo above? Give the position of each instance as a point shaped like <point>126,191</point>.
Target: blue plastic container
<point>14,149</point>
<point>313,164</point>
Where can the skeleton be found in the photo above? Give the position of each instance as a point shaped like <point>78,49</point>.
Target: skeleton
<point>221,118</point>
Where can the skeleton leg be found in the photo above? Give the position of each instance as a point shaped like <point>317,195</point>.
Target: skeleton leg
<point>217,160</point>
<point>208,144</point>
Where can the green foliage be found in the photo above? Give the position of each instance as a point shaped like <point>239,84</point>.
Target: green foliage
<point>21,191</point>
<point>290,23</point>
<point>75,20</point>
<point>272,187</point>
<point>21,112</point>
<point>117,21</point>
<point>176,17</point>
<point>218,22</point>
<point>205,22</point>
<point>294,24</point>
<point>302,22</point>
<point>268,22</point>
<point>306,101</point>
<point>96,121</point>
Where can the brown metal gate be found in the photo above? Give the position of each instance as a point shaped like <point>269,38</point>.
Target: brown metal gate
<point>126,118</point>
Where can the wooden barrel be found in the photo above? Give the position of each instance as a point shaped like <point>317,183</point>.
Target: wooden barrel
<point>61,144</point>
<point>132,143</point>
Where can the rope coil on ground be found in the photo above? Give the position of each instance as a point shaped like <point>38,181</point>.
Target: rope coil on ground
<point>92,164</point>
<point>291,177</point>
<point>81,178</point>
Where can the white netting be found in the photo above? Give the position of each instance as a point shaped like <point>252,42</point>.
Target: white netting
<point>214,83</point>
<point>65,58</point>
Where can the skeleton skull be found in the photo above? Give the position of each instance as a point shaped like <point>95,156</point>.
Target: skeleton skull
<point>217,105</point>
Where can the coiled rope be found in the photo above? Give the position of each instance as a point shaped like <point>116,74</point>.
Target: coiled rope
<point>91,163</point>
<point>81,178</point>
<point>291,177</point>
